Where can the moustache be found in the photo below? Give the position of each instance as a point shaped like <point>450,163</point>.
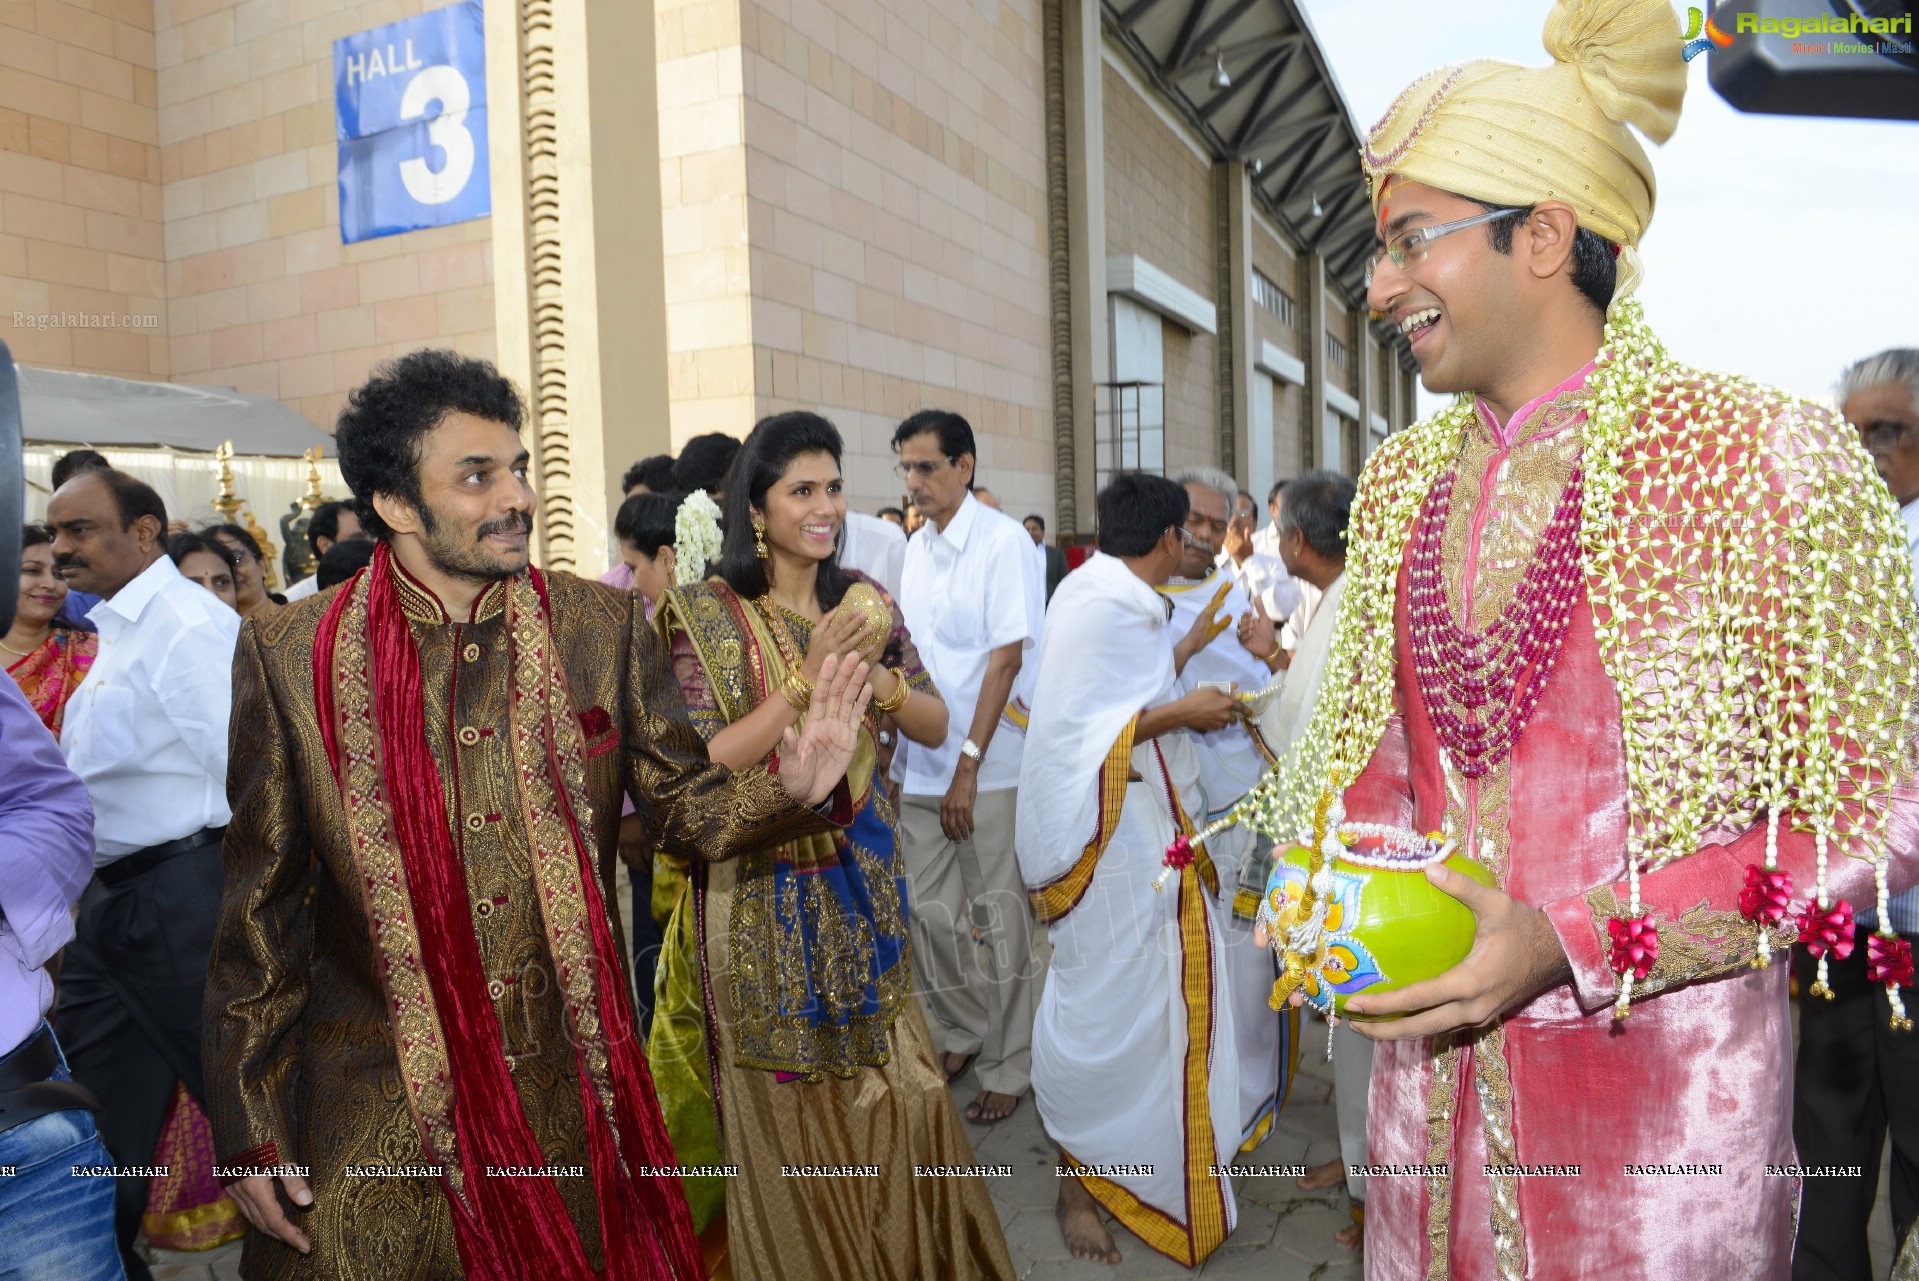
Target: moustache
<point>64,565</point>
<point>516,524</point>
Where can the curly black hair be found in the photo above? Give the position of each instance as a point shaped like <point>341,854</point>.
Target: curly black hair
<point>386,418</point>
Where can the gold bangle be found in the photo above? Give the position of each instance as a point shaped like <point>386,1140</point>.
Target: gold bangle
<point>901,692</point>
<point>1273,657</point>
<point>797,691</point>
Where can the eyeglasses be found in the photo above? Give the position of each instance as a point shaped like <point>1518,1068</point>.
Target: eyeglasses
<point>1408,248</point>
<point>906,471</point>
<point>1881,437</point>
<point>1185,536</point>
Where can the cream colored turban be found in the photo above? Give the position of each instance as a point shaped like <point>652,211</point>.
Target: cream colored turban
<point>1513,135</point>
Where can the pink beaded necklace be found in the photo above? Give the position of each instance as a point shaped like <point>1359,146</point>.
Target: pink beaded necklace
<point>1471,681</point>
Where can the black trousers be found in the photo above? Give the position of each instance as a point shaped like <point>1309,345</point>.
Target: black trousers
<point>131,988</point>
<point>648,938</point>
<point>1856,1081</point>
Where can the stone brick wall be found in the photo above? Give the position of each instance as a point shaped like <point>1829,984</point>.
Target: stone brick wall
<point>264,295</point>
<point>81,247</point>
<point>894,204</point>
<point>1273,260</point>
<point>1159,205</point>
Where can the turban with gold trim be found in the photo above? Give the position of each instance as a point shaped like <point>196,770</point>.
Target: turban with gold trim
<point>1513,135</point>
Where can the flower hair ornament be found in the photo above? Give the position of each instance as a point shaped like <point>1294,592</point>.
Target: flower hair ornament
<point>696,537</point>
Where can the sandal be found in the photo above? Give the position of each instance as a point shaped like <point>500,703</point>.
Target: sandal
<point>956,1073</point>
<point>977,1116</point>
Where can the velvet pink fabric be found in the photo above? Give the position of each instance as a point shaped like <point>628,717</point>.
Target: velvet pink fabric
<point>1700,1074</point>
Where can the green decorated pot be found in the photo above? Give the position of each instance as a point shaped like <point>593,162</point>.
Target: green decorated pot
<point>1386,926</point>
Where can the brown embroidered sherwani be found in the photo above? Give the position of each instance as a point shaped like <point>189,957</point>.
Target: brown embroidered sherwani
<point>301,1065</point>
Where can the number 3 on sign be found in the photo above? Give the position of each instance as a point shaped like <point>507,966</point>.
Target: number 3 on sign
<point>447,131</point>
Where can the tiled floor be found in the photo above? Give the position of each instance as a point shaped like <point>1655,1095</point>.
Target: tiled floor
<point>1284,1234</point>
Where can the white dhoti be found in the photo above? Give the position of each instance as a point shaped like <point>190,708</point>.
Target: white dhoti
<point>1133,1063</point>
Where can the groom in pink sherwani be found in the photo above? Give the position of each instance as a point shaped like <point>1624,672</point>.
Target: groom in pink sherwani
<point>1605,595</point>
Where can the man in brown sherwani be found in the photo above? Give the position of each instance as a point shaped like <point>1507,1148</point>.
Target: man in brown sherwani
<point>420,1055</point>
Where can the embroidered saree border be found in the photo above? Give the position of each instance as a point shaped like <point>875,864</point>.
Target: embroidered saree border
<point>1062,894</point>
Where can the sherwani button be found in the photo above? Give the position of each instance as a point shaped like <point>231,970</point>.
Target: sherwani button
<point>471,653</point>
<point>469,735</point>
<point>484,907</point>
<point>495,989</point>
<point>474,822</point>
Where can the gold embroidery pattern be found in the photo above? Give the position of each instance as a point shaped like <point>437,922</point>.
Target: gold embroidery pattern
<point>1700,944</point>
<point>425,1066</point>
<point>540,702</point>
<point>1441,1107</point>
<point>1493,1080</point>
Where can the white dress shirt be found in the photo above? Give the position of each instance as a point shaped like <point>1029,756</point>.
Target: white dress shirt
<point>875,547</point>
<point>966,590</point>
<point>147,730</point>
<point>1263,577</point>
<point>308,586</point>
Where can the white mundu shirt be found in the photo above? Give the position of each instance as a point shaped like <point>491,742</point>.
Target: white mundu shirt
<point>966,590</point>
<point>147,730</point>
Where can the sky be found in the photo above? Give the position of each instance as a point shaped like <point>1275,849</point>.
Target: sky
<point>1781,247</point>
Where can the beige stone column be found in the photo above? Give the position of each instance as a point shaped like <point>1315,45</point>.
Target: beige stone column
<point>1077,169</point>
<point>1236,328</point>
<point>579,290</point>
<point>1324,446</point>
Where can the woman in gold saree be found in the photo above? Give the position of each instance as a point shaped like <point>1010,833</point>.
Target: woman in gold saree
<point>785,1044</point>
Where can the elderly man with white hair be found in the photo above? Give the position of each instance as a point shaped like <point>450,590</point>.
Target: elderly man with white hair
<point>1230,761</point>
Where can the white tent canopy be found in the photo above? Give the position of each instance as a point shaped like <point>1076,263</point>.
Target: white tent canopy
<point>61,408</point>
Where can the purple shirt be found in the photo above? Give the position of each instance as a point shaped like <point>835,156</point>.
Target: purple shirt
<point>46,859</point>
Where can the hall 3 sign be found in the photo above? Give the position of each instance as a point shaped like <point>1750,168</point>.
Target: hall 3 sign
<point>411,110</point>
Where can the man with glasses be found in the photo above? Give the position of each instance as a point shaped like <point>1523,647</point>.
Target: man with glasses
<point>1231,760</point>
<point>1856,1080</point>
<point>1639,639</point>
<point>974,595</point>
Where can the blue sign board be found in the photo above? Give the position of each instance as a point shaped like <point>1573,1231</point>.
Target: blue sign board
<point>411,107</point>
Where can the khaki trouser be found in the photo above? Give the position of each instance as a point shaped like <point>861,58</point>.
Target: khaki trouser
<point>979,997</point>
<point>1352,1080</point>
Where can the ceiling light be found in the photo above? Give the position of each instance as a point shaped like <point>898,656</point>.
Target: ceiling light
<point>1258,164</point>
<point>1317,211</point>
<point>1220,79</point>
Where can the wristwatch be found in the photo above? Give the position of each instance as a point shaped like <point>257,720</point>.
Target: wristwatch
<point>970,750</point>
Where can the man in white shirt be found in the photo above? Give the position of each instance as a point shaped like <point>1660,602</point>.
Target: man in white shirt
<point>147,733</point>
<point>973,593</point>
<point>1253,557</point>
<point>875,547</point>
<point>334,522</point>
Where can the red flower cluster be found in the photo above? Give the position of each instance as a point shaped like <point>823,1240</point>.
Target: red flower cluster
<point>1888,960</point>
<point>1830,930</point>
<point>594,722</point>
<point>1179,854</point>
<point>1635,944</point>
<point>1767,896</point>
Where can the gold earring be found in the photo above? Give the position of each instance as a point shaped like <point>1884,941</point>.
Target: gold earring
<point>759,537</point>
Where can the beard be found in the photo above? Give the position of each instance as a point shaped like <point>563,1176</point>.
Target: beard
<point>462,552</point>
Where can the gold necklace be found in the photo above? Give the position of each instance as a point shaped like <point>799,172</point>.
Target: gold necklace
<point>24,652</point>
<point>770,611</point>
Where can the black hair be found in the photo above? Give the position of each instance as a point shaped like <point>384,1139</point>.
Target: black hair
<point>1136,510</point>
<point>763,459</point>
<point>325,523</point>
<point>1272,495</point>
<point>884,512</point>
<point>1035,516</point>
<point>645,522</point>
<point>75,461</point>
<point>656,473</point>
<point>704,463</point>
<point>954,432</point>
<point>1595,268</point>
<point>182,545</point>
<point>342,561</point>
<point>385,419</point>
<point>132,498</point>
<point>1319,504</point>
<point>32,534</point>
<point>239,535</point>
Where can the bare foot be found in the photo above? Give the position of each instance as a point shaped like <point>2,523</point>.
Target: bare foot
<point>954,1064</point>
<point>1079,1223</point>
<point>1328,1174</point>
<point>991,1107</point>
<point>1352,1238</point>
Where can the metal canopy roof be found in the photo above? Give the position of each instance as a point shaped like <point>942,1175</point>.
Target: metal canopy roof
<point>1283,114</point>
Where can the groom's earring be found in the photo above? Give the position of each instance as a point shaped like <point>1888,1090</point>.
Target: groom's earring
<point>759,537</point>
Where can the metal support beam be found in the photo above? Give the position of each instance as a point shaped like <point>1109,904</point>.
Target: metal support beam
<point>1188,33</point>
<point>1275,114</point>
<point>1271,64</point>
